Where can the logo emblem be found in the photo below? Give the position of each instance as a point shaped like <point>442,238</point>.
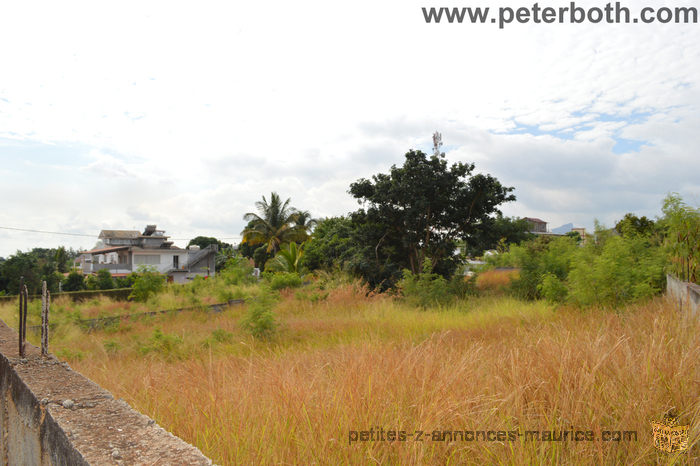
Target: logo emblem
<point>668,436</point>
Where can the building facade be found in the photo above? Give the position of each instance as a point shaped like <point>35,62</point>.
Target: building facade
<point>124,251</point>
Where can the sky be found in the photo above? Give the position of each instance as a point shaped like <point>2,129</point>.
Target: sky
<point>115,115</point>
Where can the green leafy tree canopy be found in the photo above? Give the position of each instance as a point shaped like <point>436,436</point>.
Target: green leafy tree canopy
<point>429,205</point>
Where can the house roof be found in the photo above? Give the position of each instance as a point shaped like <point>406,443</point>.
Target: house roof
<point>119,234</point>
<point>106,250</point>
<point>534,219</point>
<point>171,248</point>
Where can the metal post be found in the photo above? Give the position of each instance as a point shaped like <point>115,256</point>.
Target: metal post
<point>23,297</point>
<point>45,303</point>
<point>19,329</point>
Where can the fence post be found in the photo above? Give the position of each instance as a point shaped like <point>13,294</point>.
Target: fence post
<point>23,297</point>
<point>45,304</point>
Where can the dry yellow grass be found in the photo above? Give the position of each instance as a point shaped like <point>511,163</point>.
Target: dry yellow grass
<point>351,363</point>
<point>494,282</point>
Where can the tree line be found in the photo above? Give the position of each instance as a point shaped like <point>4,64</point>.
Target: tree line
<point>422,210</point>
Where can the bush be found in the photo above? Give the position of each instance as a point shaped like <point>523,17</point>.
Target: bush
<point>149,283</point>
<point>626,269</point>
<point>552,288</point>
<point>238,271</point>
<point>126,282</point>
<point>682,241</point>
<point>280,281</point>
<point>259,320</point>
<point>74,282</point>
<point>534,259</point>
<point>462,286</point>
<point>105,280</point>
<point>425,290</point>
<point>164,343</point>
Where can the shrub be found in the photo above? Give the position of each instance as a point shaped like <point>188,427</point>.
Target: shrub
<point>126,282</point>
<point>425,290</point>
<point>238,271</point>
<point>74,282</point>
<point>625,269</point>
<point>221,335</point>
<point>682,242</point>
<point>552,288</point>
<point>259,320</point>
<point>105,280</point>
<point>148,283</point>
<point>461,286</point>
<point>280,281</point>
<point>535,259</point>
<point>288,259</point>
<point>163,343</point>
<point>111,346</point>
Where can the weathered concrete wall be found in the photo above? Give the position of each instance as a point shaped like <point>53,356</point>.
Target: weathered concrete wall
<point>51,415</point>
<point>687,293</point>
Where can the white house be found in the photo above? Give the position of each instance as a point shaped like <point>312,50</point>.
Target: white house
<point>123,251</point>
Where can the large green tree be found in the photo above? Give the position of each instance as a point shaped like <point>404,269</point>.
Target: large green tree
<point>422,208</point>
<point>330,244</point>
<point>204,241</point>
<point>22,264</point>
<point>631,224</point>
<point>494,231</point>
<point>274,224</point>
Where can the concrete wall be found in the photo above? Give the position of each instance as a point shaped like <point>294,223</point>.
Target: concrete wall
<point>687,294</point>
<point>51,415</point>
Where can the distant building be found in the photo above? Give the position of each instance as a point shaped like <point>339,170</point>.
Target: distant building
<point>123,251</point>
<point>536,225</point>
<point>581,232</point>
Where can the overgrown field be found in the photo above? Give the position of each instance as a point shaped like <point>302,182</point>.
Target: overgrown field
<point>345,361</point>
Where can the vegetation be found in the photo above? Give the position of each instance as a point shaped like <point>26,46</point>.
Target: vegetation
<point>496,232</point>
<point>433,290</point>
<point>421,209</point>
<point>330,247</point>
<point>527,343</point>
<point>149,283</point>
<point>288,259</point>
<point>205,241</point>
<point>36,266</point>
<point>682,239</point>
<point>353,360</point>
<point>260,321</point>
<point>612,271</point>
<point>274,224</point>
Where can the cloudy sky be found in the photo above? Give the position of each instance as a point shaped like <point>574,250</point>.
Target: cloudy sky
<point>114,115</point>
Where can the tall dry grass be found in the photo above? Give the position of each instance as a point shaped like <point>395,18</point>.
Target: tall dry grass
<point>350,363</point>
<point>495,282</point>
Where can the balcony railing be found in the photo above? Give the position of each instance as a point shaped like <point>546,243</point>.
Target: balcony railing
<point>96,267</point>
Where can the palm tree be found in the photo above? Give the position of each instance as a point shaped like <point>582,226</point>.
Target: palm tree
<point>276,224</point>
<point>287,260</point>
<point>304,220</point>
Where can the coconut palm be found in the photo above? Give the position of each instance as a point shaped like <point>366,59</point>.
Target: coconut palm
<point>304,220</point>
<point>274,225</point>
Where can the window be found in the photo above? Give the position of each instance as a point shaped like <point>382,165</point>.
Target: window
<point>147,259</point>
<point>176,262</point>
